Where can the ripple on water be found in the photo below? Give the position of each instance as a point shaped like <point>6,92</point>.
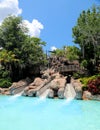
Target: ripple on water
<point>25,113</point>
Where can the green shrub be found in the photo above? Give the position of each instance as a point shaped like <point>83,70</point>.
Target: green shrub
<point>5,80</point>
<point>76,75</point>
<point>84,63</point>
<point>84,88</point>
<point>88,84</point>
<point>5,74</point>
<point>5,83</point>
<point>85,80</point>
<point>94,86</point>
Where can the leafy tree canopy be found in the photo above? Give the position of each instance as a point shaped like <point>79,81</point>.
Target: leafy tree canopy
<point>20,52</point>
<point>86,33</point>
<point>69,52</point>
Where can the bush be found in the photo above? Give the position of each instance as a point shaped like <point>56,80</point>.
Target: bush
<point>84,88</point>
<point>85,80</point>
<point>76,75</point>
<point>5,80</point>
<point>5,83</point>
<point>84,63</point>
<point>94,86</point>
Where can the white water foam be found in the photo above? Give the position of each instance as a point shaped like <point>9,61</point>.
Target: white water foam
<point>16,96</point>
<point>44,94</point>
<point>69,92</point>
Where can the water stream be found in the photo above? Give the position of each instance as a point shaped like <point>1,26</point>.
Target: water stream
<point>16,95</point>
<point>44,94</point>
<point>69,92</point>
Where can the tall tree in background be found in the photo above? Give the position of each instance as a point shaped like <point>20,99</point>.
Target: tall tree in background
<point>86,33</point>
<point>24,52</point>
<point>71,53</point>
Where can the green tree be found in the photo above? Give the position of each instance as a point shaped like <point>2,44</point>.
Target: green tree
<point>69,52</point>
<point>12,33</point>
<point>72,53</point>
<point>86,33</point>
<point>21,53</point>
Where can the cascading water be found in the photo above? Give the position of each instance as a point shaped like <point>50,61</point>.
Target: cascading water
<point>16,95</point>
<point>69,92</point>
<point>44,94</point>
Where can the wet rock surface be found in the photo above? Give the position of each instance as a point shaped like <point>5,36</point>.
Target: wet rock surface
<point>49,80</point>
<point>51,84</point>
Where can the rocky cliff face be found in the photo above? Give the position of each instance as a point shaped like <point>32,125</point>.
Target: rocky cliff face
<point>62,65</point>
<point>51,81</point>
<point>51,84</point>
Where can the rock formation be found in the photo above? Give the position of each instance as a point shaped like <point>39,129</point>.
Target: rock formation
<point>50,80</point>
<point>18,87</point>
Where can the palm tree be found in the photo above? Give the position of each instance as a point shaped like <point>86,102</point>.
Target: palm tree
<point>7,58</point>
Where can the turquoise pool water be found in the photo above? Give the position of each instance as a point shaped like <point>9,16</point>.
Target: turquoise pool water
<point>24,113</point>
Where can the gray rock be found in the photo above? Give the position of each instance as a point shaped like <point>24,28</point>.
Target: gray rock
<point>61,93</point>
<point>78,95</point>
<point>95,97</point>
<point>18,87</point>
<point>88,96</point>
<point>37,82</point>
<point>78,91</point>
<point>1,90</point>
<point>31,93</point>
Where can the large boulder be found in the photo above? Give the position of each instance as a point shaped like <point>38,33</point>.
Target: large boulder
<point>4,91</point>
<point>31,93</point>
<point>1,90</point>
<point>78,91</point>
<point>47,73</point>
<point>78,88</point>
<point>95,97</point>
<point>37,82</point>
<point>86,95</point>
<point>58,83</point>
<point>34,87</point>
<point>18,87</point>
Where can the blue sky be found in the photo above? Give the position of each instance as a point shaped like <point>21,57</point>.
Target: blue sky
<point>52,19</point>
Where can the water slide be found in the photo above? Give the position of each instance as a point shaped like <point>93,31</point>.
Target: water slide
<point>43,91</point>
<point>69,91</point>
<point>44,94</point>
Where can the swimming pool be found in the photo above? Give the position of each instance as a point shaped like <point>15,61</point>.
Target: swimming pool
<point>24,113</point>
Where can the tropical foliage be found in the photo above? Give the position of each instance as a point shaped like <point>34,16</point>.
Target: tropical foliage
<point>94,86</point>
<point>86,33</point>
<point>20,53</point>
<point>69,52</point>
<point>91,84</point>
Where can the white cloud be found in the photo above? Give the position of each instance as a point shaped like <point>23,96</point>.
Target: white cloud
<point>9,7</point>
<point>53,48</point>
<point>34,27</point>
